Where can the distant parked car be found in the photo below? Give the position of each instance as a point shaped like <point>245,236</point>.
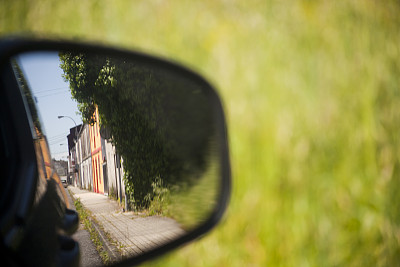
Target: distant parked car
<point>64,181</point>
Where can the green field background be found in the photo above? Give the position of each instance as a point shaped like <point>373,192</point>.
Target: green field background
<point>311,93</point>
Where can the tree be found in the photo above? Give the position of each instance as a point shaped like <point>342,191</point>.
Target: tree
<point>160,122</point>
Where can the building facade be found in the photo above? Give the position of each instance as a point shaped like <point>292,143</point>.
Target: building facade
<point>94,163</point>
<point>61,167</point>
<point>96,152</point>
<point>84,158</point>
<point>73,174</point>
<point>115,173</point>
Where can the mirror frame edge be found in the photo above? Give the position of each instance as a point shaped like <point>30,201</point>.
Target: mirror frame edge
<point>12,46</point>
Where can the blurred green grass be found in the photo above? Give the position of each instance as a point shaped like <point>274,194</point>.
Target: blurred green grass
<point>311,92</point>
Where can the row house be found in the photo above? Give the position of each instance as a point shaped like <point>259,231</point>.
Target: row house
<point>97,159</point>
<point>61,167</point>
<point>113,170</point>
<point>84,158</point>
<point>94,161</point>
<point>73,175</point>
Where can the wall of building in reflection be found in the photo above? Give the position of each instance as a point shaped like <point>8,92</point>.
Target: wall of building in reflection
<point>93,163</point>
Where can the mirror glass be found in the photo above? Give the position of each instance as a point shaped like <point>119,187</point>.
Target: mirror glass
<point>133,143</point>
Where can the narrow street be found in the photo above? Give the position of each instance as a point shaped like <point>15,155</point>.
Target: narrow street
<point>89,255</point>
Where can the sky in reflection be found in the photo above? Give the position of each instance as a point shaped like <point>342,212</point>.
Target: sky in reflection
<point>43,74</point>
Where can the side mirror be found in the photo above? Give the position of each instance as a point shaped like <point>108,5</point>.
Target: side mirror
<point>150,138</point>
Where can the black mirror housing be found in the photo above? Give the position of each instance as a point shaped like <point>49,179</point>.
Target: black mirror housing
<point>20,150</point>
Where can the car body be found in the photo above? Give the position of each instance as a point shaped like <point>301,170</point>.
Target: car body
<point>36,217</point>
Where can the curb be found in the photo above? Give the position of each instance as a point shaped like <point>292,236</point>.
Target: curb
<point>111,250</point>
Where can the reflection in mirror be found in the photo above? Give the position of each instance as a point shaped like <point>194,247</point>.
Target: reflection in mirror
<point>135,144</point>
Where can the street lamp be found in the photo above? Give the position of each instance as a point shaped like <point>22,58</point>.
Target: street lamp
<point>60,117</point>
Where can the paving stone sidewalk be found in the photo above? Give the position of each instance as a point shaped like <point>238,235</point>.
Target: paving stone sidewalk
<point>133,233</point>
